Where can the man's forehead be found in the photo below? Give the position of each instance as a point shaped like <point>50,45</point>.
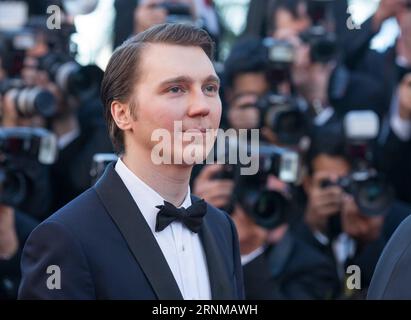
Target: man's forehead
<point>160,61</point>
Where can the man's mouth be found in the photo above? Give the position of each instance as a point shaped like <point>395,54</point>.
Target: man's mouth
<point>196,130</point>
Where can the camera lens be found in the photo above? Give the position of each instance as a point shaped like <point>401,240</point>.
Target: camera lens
<point>269,209</point>
<point>374,196</point>
<point>13,187</point>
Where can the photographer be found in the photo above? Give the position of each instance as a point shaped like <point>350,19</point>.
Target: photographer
<point>395,150</point>
<point>135,17</point>
<point>78,120</point>
<point>324,82</point>
<point>334,225</point>
<point>245,80</point>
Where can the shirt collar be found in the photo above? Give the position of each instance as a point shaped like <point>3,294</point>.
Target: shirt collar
<point>144,196</point>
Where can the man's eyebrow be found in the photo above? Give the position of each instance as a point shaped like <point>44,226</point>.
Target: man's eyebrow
<point>186,79</point>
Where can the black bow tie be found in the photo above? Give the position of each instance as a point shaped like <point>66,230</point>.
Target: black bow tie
<point>192,217</point>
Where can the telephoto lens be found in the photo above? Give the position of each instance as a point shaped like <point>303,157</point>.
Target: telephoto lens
<point>29,100</point>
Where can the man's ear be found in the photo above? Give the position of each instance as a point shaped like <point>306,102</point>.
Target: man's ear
<point>121,115</point>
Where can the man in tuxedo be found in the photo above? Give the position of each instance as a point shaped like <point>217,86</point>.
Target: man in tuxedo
<point>392,276</point>
<point>139,233</point>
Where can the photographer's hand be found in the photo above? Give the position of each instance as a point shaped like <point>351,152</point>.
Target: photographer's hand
<point>386,9</point>
<point>9,113</point>
<point>362,228</point>
<point>322,202</point>
<point>217,192</point>
<point>8,237</point>
<point>403,48</point>
<point>404,98</point>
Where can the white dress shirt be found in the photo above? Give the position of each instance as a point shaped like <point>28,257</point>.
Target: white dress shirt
<point>181,247</point>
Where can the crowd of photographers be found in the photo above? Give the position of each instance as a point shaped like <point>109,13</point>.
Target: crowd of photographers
<point>334,120</point>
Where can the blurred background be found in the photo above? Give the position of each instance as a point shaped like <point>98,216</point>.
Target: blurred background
<point>326,82</point>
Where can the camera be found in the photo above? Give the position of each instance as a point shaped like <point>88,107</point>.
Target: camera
<point>371,192</point>
<point>323,44</point>
<point>269,208</point>
<point>29,101</point>
<point>280,56</point>
<point>21,149</point>
<point>13,45</point>
<point>73,79</point>
<point>285,116</point>
<point>280,52</point>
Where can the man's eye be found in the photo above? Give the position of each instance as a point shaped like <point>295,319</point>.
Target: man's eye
<point>211,88</point>
<point>175,90</point>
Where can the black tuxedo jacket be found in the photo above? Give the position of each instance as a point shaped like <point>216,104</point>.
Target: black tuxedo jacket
<point>105,250</point>
<point>392,276</point>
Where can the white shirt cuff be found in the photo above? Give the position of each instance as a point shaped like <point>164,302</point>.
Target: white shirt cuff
<point>247,258</point>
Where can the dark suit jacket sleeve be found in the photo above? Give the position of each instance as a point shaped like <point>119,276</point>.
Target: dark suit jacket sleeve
<point>238,269</point>
<point>51,243</point>
<point>394,156</point>
<point>392,276</point>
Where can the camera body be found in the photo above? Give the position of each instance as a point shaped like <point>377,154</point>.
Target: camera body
<point>279,56</point>
<point>280,53</point>
<point>370,190</point>
<point>285,116</point>
<point>269,208</point>
<point>323,44</point>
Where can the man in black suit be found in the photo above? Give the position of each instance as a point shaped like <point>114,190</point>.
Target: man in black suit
<point>392,276</point>
<point>113,242</point>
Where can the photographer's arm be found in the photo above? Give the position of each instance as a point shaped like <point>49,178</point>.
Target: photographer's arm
<point>9,243</point>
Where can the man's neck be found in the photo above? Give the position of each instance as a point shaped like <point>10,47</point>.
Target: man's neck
<point>169,181</point>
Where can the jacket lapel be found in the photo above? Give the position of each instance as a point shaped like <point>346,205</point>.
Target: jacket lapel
<point>219,276</point>
<point>141,242</point>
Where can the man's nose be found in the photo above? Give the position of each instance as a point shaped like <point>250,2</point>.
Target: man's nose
<point>198,104</point>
